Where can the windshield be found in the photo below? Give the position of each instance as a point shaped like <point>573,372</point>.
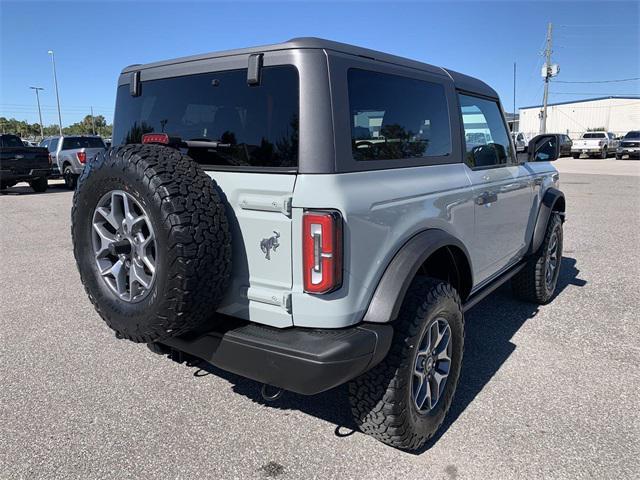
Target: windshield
<point>256,125</point>
<point>593,135</point>
<point>70,143</point>
<point>632,135</point>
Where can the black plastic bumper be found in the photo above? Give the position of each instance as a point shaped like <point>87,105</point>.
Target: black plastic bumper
<point>302,360</point>
<point>23,176</point>
<point>631,154</point>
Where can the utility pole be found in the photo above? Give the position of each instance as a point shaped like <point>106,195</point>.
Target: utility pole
<point>39,111</point>
<point>93,124</point>
<point>513,129</point>
<point>55,81</point>
<point>547,76</point>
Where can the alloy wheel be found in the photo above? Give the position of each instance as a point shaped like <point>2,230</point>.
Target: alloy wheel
<point>124,246</point>
<point>432,365</point>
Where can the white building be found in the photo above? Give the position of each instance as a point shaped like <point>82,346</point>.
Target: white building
<point>613,114</point>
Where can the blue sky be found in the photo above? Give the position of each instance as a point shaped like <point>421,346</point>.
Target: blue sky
<point>93,41</point>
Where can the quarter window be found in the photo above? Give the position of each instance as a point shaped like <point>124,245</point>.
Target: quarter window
<point>394,117</point>
<point>485,134</point>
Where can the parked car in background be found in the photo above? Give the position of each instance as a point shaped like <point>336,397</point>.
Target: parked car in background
<point>520,141</point>
<point>565,145</point>
<point>71,153</point>
<point>29,143</point>
<point>593,144</point>
<point>629,146</point>
<point>23,164</point>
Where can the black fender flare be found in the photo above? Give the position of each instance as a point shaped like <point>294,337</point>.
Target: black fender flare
<point>549,201</point>
<point>392,287</point>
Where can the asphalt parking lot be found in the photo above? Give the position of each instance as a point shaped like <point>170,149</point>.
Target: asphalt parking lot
<point>546,392</point>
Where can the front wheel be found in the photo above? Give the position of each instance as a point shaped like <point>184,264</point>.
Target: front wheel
<point>404,399</point>
<point>39,185</point>
<point>537,281</point>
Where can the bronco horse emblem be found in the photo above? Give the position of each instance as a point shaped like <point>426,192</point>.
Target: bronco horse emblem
<point>267,244</point>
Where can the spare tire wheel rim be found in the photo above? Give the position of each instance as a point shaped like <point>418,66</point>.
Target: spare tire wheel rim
<point>124,246</point>
<point>432,365</point>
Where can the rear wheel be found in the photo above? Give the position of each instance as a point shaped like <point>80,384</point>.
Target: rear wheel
<point>604,154</point>
<point>404,399</point>
<point>618,156</point>
<point>151,241</point>
<point>575,155</point>
<point>39,184</point>
<point>70,178</point>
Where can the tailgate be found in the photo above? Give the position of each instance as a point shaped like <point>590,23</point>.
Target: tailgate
<point>21,161</point>
<point>589,143</point>
<point>259,214</point>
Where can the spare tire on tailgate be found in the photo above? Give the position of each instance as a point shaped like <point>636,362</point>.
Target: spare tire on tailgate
<point>151,241</point>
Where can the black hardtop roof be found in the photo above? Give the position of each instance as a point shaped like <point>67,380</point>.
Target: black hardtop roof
<point>461,81</point>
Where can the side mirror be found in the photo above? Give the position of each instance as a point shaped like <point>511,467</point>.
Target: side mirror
<point>544,148</point>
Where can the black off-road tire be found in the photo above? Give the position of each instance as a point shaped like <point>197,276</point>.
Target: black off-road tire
<point>604,153</point>
<point>193,242</point>
<point>575,155</point>
<point>70,178</point>
<point>39,185</point>
<point>381,399</point>
<point>530,283</point>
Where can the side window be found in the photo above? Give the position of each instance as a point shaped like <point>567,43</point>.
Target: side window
<point>53,145</point>
<point>44,143</point>
<point>394,117</point>
<point>485,133</point>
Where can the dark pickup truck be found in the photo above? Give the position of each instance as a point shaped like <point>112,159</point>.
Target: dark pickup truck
<point>23,164</point>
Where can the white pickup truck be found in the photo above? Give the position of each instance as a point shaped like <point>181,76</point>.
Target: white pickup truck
<point>595,143</point>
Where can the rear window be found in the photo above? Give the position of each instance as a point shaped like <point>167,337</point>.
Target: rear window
<point>256,125</point>
<point>593,135</point>
<point>11,141</point>
<point>394,117</point>
<point>634,135</point>
<point>70,143</point>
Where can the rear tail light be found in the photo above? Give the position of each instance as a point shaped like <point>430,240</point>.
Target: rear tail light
<point>82,157</point>
<point>50,160</point>
<point>162,138</point>
<point>322,251</point>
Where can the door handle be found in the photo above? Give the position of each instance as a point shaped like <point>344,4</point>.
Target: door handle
<point>487,198</point>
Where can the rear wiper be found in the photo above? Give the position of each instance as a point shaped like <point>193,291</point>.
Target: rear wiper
<point>205,144</point>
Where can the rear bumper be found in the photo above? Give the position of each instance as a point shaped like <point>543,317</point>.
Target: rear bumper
<point>587,150</point>
<point>302,360</point>
<point>13,176</point>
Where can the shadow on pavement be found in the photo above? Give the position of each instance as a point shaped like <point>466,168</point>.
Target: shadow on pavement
<point>24,189</point>
<point>489,329</point>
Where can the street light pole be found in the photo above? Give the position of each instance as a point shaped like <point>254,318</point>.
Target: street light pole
<point>55,81</point>
<point>93,123</point>
<point>39,111</point>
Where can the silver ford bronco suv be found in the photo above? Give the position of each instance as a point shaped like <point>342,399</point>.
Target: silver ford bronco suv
<point>312,213</point>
